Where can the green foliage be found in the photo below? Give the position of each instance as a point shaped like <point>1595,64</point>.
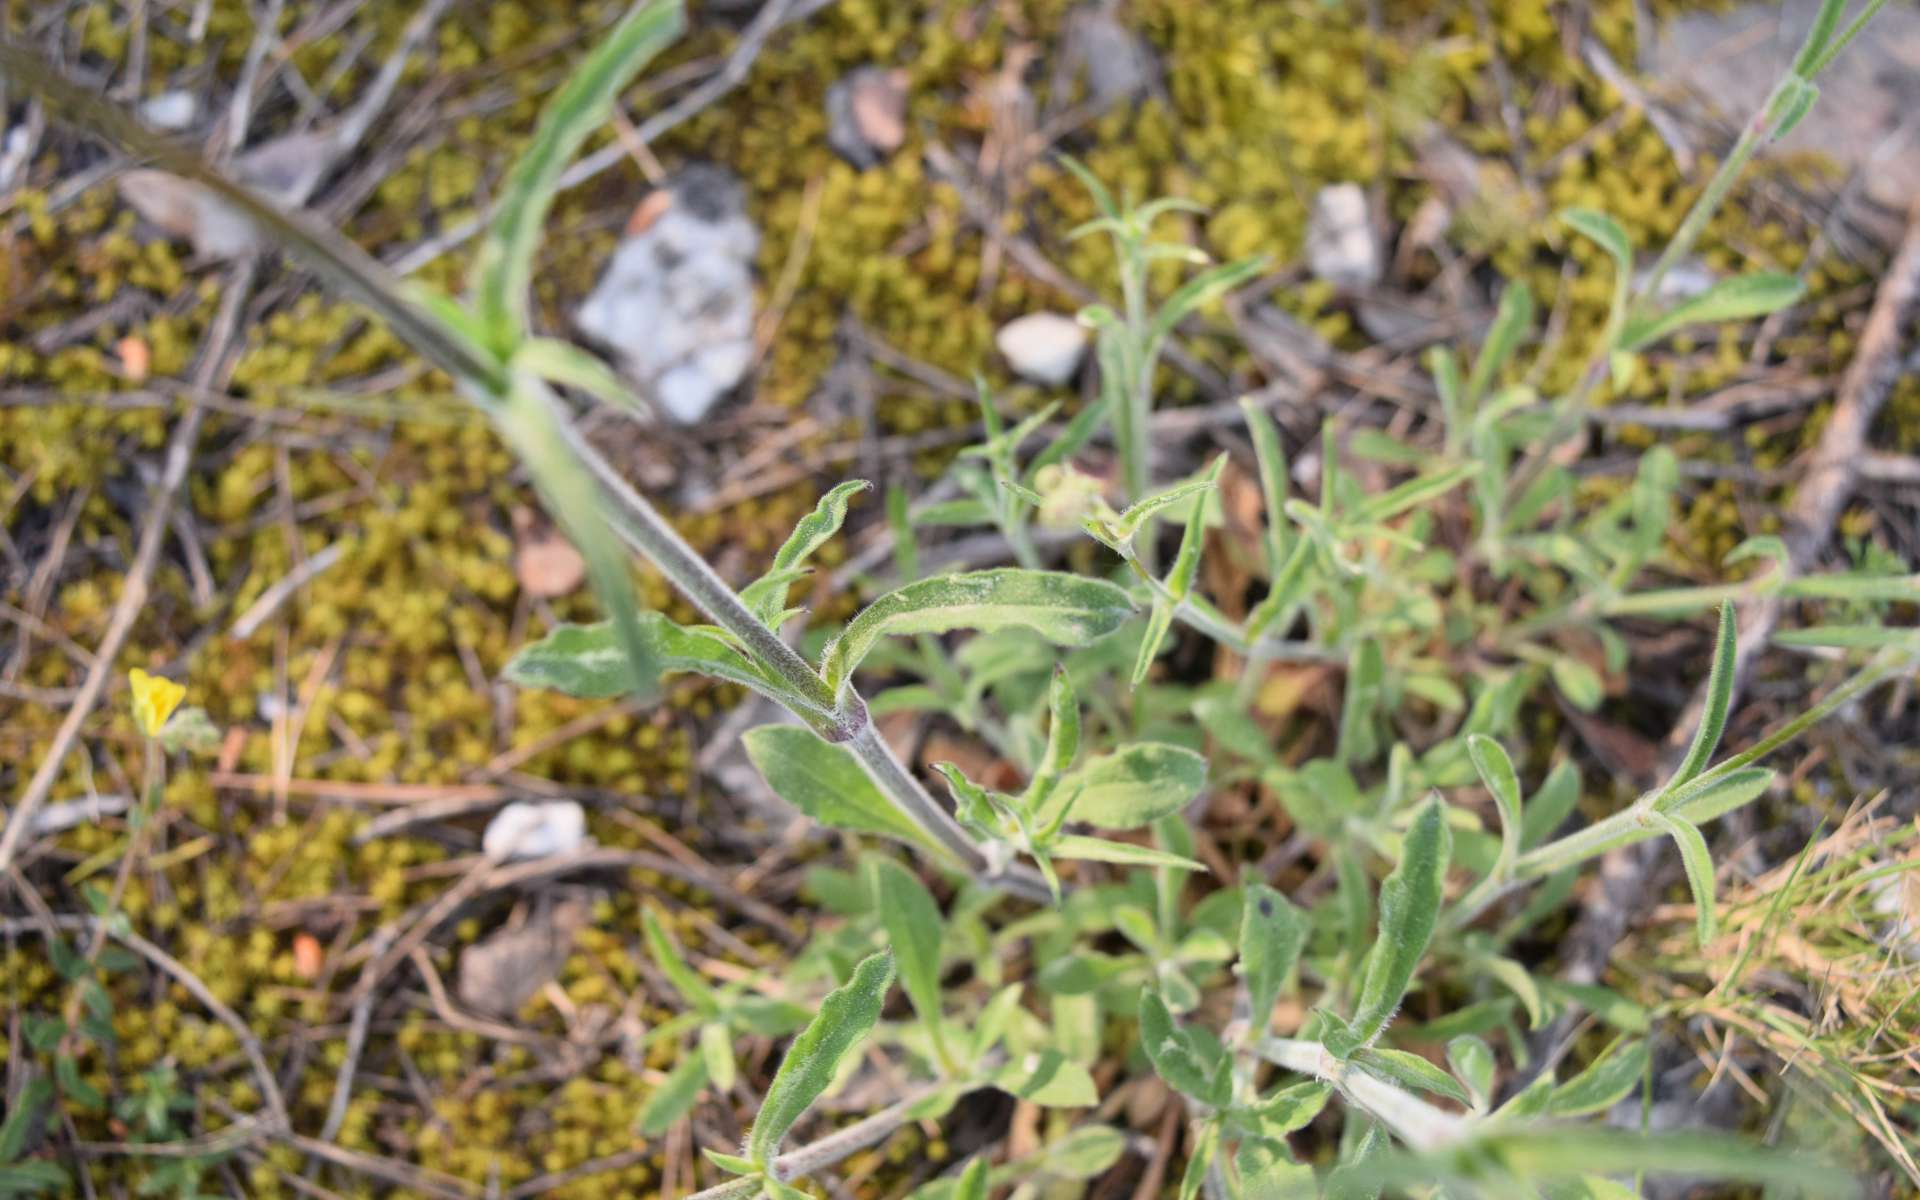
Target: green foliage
<point>844,1019</point>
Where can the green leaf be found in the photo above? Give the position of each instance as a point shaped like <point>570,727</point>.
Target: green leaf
<point>1607,1080</point>
<point>1293,1107</point>
<point>1068,610</point>
<point>1200,291</point>
<point>973,1180</point>
<point>775,1189</point>
<point>33,1179</point>
<point>1496,772</point>
<point>1848,637</point>
<point>1272,933</point>
<point>1414,493</point>
<point>568,365</point>
<point>1272,459</point>
<point>845,1017</point>
<point>1200,1159</point>
<point>1186,562</point>
<point>1699,864</point>
<point>76,1089</point>
<point>1713,718</point>
<point>1729,300</point>
<point>26,1110</point>
<point>1131,787</point>
<point>716,1047</point>
<point>588,661</point>
<point>1551,804</point>
<point>1510,326</point>
<point>1063,744</point>
<point>1159,624</point>
<point>732,1164</point>
<point>826,782</point>
<point>1128,523</point>
<point>1049,1079</point>
<point>666,955</point>
<point>1577,681</point>
<point>1410,1070</point>
<point>503,267</point>
<point>1124,853</point>
<point>915,932</point>
<point>530,422</point>
<point>1409,909</point>
<point>1185,1058</point>
<point>1603,230</point>
<point>1102,198</point>
<point>44,1031</point>
<point>1085,1153</point>
<point>1521,983</point>
<point>1472,1060</point>
<point>767,596</point>
<point>1716,795</point>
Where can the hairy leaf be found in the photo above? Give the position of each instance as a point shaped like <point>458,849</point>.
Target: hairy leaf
<point>1410,1070</point>
<point>1272,934</point>
<point>1131,787</point>
<point>767,596</point>
<point>844,1019</point>
<point>826,782</point>
<point>1699,864</point>
<point>1713,718</point>
<point>1729,300</point>
<point>1067,610</point>
<point>1607,1080</point>
<point>1409,909</point>
<point>1124,853</point>
<point>1497,773</point>
<point>915,931</point>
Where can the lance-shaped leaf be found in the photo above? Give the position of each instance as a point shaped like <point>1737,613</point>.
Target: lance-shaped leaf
<point>1063,744</point>
<point>1472,1060</point>
<point>1121,528</point>
<point>1713,716</point>
<point>565,363</point>
<point>1068,610</point>
<point>1729,300</point>
<point>1510,326</point>
<point>674,1097</point>
<point>1409,909</point>
<point>588,661</point>
<point>1272,933</point>
<point>1608,1080</point>
<point>1128,788</point>
<point>1124,853</point>
<point>915,932</point>
<point>1205,1146</point>
<point>826,782</point>
<point>1410,1070</point>
<point>767,596</point>
<point>1186,561</point>
<point>1159,623</point>
<point>844,1019</point>
<point>1272,459</point>
<point>1200,291</point>
<point>1716,795</point>
<point>503,267</point>
<point>1698,861</point>
<point>1497,773</point>
<point>530,421</point>
<point>1608,234</point>
<point>666,955</point>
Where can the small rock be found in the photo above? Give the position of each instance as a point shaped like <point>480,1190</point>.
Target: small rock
<point>1341,248</point>
<point>500,974</point>
<point>675,304</point>
<point>186,210</point>
<point>867,115</point>
<point>535,829</point>
<point>1043,347</point>
<point>171,111</point>
<point>1116,63</point>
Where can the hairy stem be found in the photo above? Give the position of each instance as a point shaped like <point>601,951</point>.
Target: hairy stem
<point>828,1150</point>
<point>1414,1121</point>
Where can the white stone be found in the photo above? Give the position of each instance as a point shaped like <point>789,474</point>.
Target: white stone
<point>1341,248</point>
<point>1043,347</point>
<point>171,111</point>
<point>535,829</point>
<point>675,304</point>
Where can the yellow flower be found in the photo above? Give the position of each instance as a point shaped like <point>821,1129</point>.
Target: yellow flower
<point>154,699</point>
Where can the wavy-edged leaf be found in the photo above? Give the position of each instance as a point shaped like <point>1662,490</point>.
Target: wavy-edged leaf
<point>1734,299</point>
<point>587,661</point>
<point>503,265</point>
<point>1068,610</point>
<point>915,931</point>
<point>767,596</point>
<point>826,782</point>
<point>1272,934</point>
<point>1698,861</point>
<point>1129,788</point>
<point>1410,902</point>
<point>844,1019</point>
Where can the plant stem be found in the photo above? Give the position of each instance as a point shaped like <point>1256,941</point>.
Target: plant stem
<point>828,1150</point>
<point>891,776</point>
<point>1417,1123</point>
